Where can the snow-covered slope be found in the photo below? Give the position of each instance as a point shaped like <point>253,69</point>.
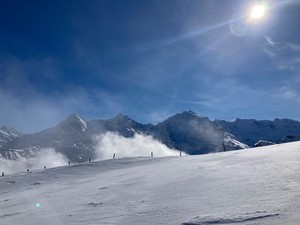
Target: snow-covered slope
<point>247,187</point>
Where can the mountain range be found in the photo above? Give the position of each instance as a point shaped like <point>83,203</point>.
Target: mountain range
<point>74,137</point>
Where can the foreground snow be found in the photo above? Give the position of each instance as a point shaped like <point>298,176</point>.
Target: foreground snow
<point>254,186</point>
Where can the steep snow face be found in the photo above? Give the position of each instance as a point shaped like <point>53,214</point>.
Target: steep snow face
<point>230,143</point>
<point>247,187</point>
<point>250,131</point>
<point>83,124</point>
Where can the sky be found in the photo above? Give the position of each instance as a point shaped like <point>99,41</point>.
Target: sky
<point>147,59</point>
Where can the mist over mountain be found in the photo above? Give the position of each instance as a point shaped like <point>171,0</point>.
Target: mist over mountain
<point>193,134</point>
<point>79,140</point>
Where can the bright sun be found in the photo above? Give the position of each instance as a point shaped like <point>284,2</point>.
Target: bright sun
<point>257,12</point>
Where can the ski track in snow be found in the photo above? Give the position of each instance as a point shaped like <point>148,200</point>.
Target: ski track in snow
<point>258,186</point>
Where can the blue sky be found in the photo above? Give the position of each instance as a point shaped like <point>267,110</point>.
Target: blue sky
<point>147,59</point>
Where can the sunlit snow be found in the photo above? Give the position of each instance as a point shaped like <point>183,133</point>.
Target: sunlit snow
<point>252,186</point>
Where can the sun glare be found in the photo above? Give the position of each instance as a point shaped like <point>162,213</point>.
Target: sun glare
<point>257,12</point>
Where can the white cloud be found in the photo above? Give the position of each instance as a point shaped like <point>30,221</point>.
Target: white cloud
<point>269,40</point>
<point>45,157</point>
<point>139,145</point>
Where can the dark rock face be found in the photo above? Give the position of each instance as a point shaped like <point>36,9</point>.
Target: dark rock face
<point>291,138</point>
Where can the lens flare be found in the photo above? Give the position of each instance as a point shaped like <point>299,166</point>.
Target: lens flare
<point>258,11</point>
<point>37,205</point>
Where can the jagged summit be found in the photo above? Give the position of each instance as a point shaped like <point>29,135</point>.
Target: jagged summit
<point>185,116</point>
<point>121,117</point>
<point>190,113</point>
<point>193,114</point>
<point>74,121</point>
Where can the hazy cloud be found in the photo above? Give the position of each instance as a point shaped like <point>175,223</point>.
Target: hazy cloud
<point>39,111</point>
<point>286,55</point>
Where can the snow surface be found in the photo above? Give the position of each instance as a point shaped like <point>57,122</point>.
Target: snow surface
<point>253,186</point>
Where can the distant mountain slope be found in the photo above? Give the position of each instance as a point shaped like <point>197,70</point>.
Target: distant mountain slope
<point>69,137</point>
<point>75,137</point>
<point>250,131</point>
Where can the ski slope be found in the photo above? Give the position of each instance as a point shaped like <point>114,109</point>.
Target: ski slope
<point>253,186</point>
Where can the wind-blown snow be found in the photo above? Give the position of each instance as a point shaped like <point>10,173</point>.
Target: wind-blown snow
<point>247,187</point>
<point>139,145</point>
<point>45,157</point>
